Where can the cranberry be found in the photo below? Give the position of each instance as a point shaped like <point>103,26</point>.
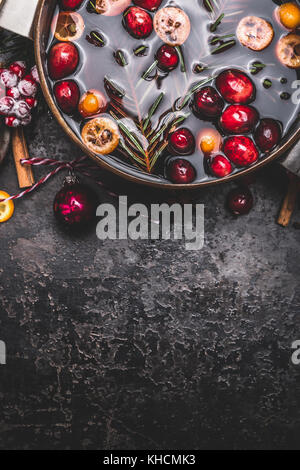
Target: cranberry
<point>268,134</point>
<point>138,22</point>
<point>21,109</point>
<point>70,4</point>
<point>182,141</point>
<point>35,74</point>
<point>208,102</point>
<point>63,60</point>
<point>181,172</point>
<point>239,119</point>
<point>167,57</point>
<point>27,86</point>
<point>18,68</point>
<point>240,150</point>
<point>12,121</point>
<point>240,201</point>
<point>8,78</point>
<point>13,92</point>
<point>32,102</point>
<point>150,5</point>
<point>236,87</point>
<point>220,166</point>
<point>67,95</point>
<point>6,105</point>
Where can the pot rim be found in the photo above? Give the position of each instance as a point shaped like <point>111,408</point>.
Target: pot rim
<point>122,173</point>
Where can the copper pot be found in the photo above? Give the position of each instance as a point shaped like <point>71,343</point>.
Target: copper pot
<point>19,16</point>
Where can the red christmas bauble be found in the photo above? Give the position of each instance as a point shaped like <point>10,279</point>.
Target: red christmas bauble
<point>75,204</point>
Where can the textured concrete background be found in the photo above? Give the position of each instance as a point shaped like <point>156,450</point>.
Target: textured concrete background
<point>136,345</point>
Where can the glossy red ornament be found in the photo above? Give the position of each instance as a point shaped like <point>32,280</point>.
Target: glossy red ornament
<point>240,201</point>
<point>208,103</point>
<point>67,95</point>
<point>268,134</point>
<point>181,172</point>
<point>167,57</point>
<point>63,60</point>
<point>182,142</point>
<point>236,87</point>
<point>151,5</point>
<point>239,119</point>
<point>75,204</point>
<point>138,22</point>
<point>220,166</point>
<point>240,150</point>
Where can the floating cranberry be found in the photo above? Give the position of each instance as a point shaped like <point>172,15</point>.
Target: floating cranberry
<point>70,4</point>
<point>18,68</point>
<point>239,119</point>
<point>138,22</point>
<point>208,102</point>
<point>151,5</point>
<point>240,150</point>
<point>220,166</point>
<point>182,142</point>
<point>268,134</point>
<point>63,60</point>
<point>167,58</point>
<point>240,201</point>
<point>235,87</point>
<point>181,172</point>
<point>67,95</point>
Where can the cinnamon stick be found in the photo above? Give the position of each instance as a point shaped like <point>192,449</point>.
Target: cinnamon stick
<point>20,151</point>
<point>289,202</point>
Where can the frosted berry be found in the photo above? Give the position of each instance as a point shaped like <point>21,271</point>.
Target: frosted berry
<point>34,73</point>
<point>21,109</point>
<point>13,93</point>
<point>18,68</point>
<point>27,120</point>
<point>8,78</point>
<point>12,121</point>
<point>27,86</point>
<point>32,102</point>
<point>6,105</point>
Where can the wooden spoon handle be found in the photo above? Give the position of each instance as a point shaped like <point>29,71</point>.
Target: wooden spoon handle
<point>20,151</point>
<point>289,202</point>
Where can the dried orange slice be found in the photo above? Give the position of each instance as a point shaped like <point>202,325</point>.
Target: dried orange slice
<point>101,135</point>
<point>255,33</point>
<point>6,208</point>
<point>68,26</point>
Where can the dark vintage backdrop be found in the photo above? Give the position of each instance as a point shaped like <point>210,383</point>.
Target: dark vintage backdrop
<point>143,345</point>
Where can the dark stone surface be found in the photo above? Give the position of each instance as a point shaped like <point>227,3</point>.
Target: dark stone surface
<point>136,345</point>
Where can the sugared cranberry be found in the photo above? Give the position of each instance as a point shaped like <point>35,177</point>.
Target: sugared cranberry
<point>138,22</point>
<point>8,78</point>
<point>67,95</point>
<point>26,120</point>
<point>6,105</point>
<point>27,86</point>
<point>12,121</point>
<point>208,103</point>
<point>21,109</point>
<point>240,201</point>
<point>220,166</point>
<point>18,68</point>
<point>151,5</point>
<point>13,92</point>
<point>167,57</point>
<point>240,150</point>
<point>70,4</point>
<point>268,134</point>
<point>32,102</point>
<point>34,73</point>
<point>182,142</point>
<point>63,60</point>
<point>181,172</point>
<point>235,87</point>
<point>239,119</point>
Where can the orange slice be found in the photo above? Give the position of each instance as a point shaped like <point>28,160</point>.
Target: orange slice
<point>68,26</point>
<point>101,135</point>
<point>6,208</point>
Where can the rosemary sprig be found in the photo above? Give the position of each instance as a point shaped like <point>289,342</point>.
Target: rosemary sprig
<point>181,58</point>
<point>182,102</point>
<point>218,21</point>
<point>149,70</point>
<point>152,110</point>
<point>225,45</point>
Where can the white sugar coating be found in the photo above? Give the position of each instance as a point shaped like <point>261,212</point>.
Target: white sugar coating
<point>27,120</point>
<point>35,74</point>
<point>21,109</point>
<point>27,87</point>
<point>6,105</point>
<point>22,66</point>
<point>14,92</point>
<point>8,79</point>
